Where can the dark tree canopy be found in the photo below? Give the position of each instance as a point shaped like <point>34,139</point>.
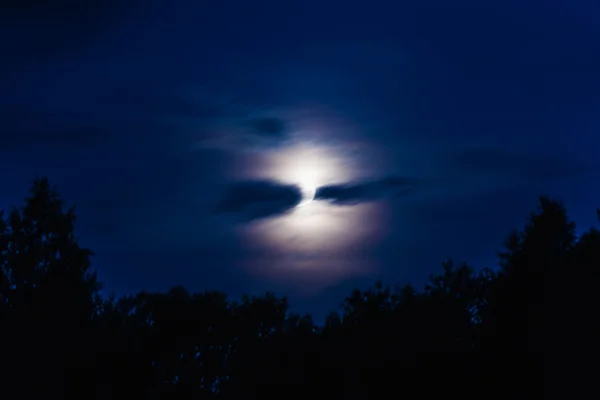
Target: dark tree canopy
<point>474,333</point>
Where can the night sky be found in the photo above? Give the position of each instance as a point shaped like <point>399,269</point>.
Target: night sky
<point>302,147</point>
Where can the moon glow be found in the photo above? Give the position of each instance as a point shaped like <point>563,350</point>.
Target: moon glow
<point>316,241</point>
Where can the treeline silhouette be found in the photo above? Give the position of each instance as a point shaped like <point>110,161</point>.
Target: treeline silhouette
<point>491,333</point>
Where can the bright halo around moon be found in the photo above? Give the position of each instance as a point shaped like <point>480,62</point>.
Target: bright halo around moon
<point>311,223</point>
<point>308,187</point>
<point>316,243</point>
<point>308,167</point>
<point>308,194</point>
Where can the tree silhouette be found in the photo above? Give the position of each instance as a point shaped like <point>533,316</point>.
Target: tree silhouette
<point>49,290</point>
<point>467,332</point>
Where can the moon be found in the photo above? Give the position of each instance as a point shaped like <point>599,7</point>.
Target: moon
<point>308,166</point>
<point>308,189</point>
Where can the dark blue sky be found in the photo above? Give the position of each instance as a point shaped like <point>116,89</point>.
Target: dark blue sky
<point>188,132</point>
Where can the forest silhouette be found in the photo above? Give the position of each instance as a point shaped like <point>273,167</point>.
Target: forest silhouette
<point>489,333</point>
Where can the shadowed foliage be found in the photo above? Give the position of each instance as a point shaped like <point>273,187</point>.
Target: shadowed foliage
<point>469,333</point>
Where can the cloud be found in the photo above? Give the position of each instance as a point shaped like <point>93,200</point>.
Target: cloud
<point>27,128</point>
<point>529,165</point>
<point>258,134</point>
<point>27,123</point>
<point>258,199</point>
<point>163,100</point>
<point>268,126</point>
<point>47,29</point>
<point>55,8</point>
<point>349,194</point>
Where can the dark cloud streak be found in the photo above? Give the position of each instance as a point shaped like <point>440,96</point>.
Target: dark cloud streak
<point>258,199</point>
<point>348,194</point>
<point>534,166</point>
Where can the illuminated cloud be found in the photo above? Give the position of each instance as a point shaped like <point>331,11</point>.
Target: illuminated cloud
<point>314,246</point>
